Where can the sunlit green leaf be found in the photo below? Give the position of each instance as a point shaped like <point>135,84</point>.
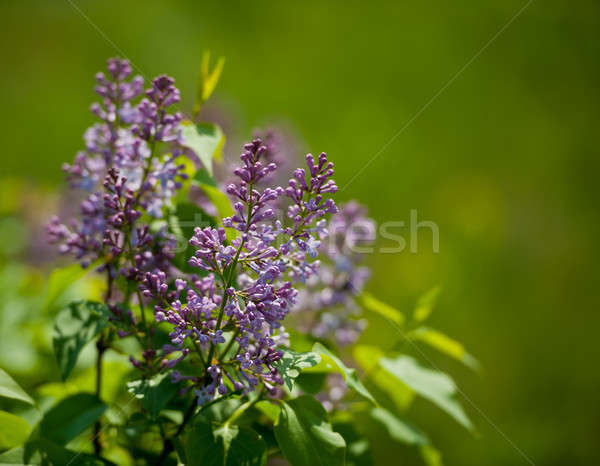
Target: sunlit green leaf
<point>206,140</point>
<point>154,393</point>
<point>211,444</point>
<point>291,364</point>
<point>208,79</point>
<point>14,431</point>
<point>189,169</point>
<point>70,417</point>
<point>11,389</point>
<point>425,304</point>
<point>306,437</point>
<point>271,410</point>
<point>367,358</point>
<point>445,344</point>
<point>113,385</point>
<point>61,279</point>
<point>435,386</point>
<point>75,326</point>
<point>217,198</point>
<point>374,305</point>
<point>330,361</point>
<point>431,455</point>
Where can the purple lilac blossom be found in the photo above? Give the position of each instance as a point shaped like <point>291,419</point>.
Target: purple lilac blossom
<point>121,174</point>
<point>127,176</point>
<point>328,303</point>
<point>249,287</point>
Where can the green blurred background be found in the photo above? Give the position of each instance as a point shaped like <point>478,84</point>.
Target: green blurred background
<point>504,160</point>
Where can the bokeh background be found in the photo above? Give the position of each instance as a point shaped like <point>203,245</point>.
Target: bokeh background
<point>505,160</point>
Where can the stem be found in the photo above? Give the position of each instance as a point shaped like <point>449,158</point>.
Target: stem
<point>147,333</point>
<point>168,446</point>
<point>230,344</point>
<point>101,347</point>
<point>211,352</point>
<point>243,408</point>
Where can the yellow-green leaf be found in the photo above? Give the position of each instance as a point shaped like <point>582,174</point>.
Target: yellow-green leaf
<point>374,305</point>
<point>367,358</point>
<point>61,279</point>
<point>445,344</point>
<point>208,79</point>
<point>425,304</point>
<point>14,431</point>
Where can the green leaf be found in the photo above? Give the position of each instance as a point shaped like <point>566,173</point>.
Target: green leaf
<point>189,169</point>
<point>431,455</point>
<point>208,79</point>
<point>217,198</point>
<point>306,437</point>
<point>61,279</point>
<point>367,358</point>
<point>312,383</point>
<point>154,393</point>
<point>203,177</point>
<point>14,431</point>
<point>374,305</point>
<point>75,326</point>
<point>210,444</point>
<point>20,456</point>
<point>404,432</point>
<point>291,364</point>
<point>206,140</point>
<point>269,409</point>
<point>331,361</point>
<point>445,344</point>
<point>435,386</point>
<point>70,417</point>
<point>425,304</point>
<point>115,372</point>
<point>54,454</point>
<point>399,430</point>
<point>11,389</point>
<point>358,447</point>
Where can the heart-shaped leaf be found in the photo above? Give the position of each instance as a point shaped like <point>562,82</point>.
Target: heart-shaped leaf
<point>206,140</point>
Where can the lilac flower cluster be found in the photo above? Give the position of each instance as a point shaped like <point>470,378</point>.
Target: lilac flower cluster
<point>328,303</point>
<point>248,290</point>
<point>128,169</point>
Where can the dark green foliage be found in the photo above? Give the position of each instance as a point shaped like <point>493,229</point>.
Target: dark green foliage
<point>306,437</point>
<point>75,326</point>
